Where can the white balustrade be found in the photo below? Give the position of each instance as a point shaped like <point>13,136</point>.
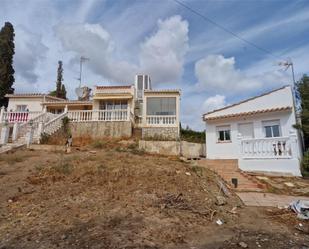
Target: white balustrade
<point>20,117</point>
<point>275,147</point>
<point>98,115</point>
<point>161,120</point>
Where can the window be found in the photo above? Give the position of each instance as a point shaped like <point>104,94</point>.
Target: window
<point>224,133</point>
<point>272,128</point>
<point>113,105</point>
<point>161,106</point>
<point>21,108</point>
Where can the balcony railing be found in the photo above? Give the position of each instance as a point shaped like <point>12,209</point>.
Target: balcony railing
<point>18,117</point>
<point>161,120</point>
<point>275,147</point>
<point>99,115</point>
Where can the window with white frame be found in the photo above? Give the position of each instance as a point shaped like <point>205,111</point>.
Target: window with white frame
<point>21,108</point>
<point>161,106</point>
<point>224,133</point>
<point>272,128</point>
<point>113,105</point>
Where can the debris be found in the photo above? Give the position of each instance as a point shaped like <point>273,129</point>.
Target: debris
<point>262,178</point>
<point>243,244</point>
<point>233,211</point>
<point>220,200</point>
<point>302,228</point>
<point>222,187</point>
<point>92,152</point>
<point>301,208</point>
<point>188,173</point>
<point>289,184</point>
<point>219,222</point>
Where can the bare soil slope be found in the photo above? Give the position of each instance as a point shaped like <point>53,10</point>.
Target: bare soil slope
<point>114,196</point>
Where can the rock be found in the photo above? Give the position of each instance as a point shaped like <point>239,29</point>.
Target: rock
<point>63,236</point>
<point>220,200</point>
<point>243,244</point>
<point>289,184</point>
<point>219,222</point>
<point>188,173</point>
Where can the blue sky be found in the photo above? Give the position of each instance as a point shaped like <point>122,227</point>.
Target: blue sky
<point>159,37</point>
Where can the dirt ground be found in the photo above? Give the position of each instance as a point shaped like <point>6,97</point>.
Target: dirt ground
<point>110,195</point>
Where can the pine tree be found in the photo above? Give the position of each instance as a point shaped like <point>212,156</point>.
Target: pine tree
<point>63,92</point>
<point>302,93</point>
<point>59,79</point>
<point>7,51</point>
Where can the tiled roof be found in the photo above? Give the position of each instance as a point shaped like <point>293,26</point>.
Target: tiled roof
<point>163,91</point>
<point>247,113</point>
<point>114,87</point>
<point>244,101</point>
<point>68,102</point>
<point>31,95</point>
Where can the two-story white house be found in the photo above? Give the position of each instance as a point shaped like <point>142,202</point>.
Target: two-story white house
<point>259,132</point>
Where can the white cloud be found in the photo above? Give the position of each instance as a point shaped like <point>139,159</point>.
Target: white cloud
<point>29,52</point>
<point>218,74</point>
<point>161,55</point>
<point>214,102</point>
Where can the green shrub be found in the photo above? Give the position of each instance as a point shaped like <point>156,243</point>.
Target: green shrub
<point>44,138</point>
<point>190,135</point>
<point>305,162</point>
<point>98,144</point>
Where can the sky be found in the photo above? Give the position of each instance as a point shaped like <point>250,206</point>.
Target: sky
<point>176,47</point>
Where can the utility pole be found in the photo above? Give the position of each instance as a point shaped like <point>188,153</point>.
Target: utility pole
<point>82,59</point>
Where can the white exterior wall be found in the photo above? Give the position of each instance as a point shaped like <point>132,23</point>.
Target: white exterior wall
<point>276,99</point>
<point>230,150</point>
<point>33,104</point>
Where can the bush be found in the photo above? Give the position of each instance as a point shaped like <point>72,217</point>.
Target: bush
<point>44,138</point>
<point>190,135</point>
<point>98,144</point>
<point>305,162</point>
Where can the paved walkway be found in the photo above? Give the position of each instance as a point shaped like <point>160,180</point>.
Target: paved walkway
<point>267,199</point>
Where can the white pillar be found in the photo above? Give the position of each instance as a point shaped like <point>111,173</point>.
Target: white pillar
<point>40,131</point>
<point>15,131</point>
<point>45,108</point>
<point>66,108</point>
<point>29,135</point>
<point>239,138</point>
<point>294,145</point>
<point>4,134</point>
<point>2,114</point>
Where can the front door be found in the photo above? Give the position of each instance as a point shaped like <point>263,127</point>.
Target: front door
<point>246,130</point>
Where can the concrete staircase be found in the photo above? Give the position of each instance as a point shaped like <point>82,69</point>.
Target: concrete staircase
<point>228,169</point>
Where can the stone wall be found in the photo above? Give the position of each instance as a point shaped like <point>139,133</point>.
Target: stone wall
<point>170,133</point>
<point>183,148</point>
<point>101,129</point>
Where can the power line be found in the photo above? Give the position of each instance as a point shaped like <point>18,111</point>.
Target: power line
<point>225,29</point>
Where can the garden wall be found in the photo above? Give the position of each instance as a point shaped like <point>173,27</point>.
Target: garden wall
<point>178,148</point>
<point>101,129</point>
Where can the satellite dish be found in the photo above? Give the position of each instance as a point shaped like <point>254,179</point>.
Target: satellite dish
<point>79,92</point>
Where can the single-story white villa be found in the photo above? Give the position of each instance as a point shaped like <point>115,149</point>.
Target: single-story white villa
<point>259,132</point>
<point>113,111</point>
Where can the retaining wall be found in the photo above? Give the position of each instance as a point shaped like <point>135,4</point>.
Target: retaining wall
<point>101,129</point>
<point>183,148</point>
<point>170,133</point>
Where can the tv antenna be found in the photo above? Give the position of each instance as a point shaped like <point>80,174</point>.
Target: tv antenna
<point>79,90</point>
<point>82,59</point>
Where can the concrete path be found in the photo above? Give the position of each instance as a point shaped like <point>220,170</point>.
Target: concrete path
<point>267,199</point>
